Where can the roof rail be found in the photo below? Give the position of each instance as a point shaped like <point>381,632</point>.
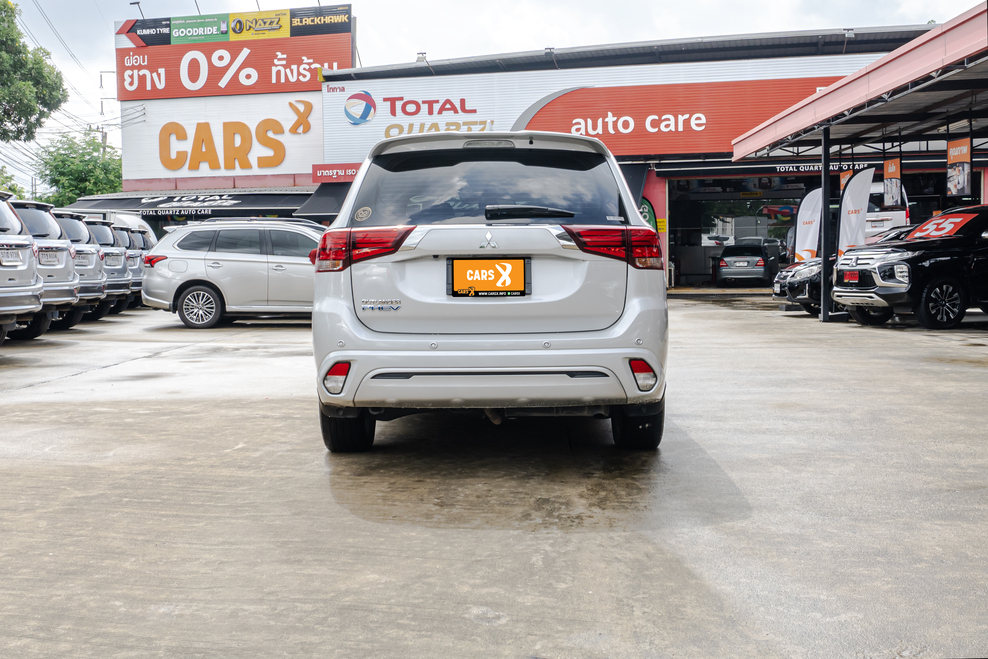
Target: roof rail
<point>292,220</point>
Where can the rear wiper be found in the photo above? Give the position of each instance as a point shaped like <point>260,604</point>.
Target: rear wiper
<point>514,212</point>
<point>39,235</point>
<point>4,229</point>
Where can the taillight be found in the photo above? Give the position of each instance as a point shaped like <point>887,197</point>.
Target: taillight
<point>34,248</point>
<point>760,263</point>
<point>151,260</point>
<point>723,264</point>
<point>71,251</point>
<point>336,377</point>
<point>101,254</point>
<point>637,246</point>
<point>907,214</point>
<point>646,253</point>
<point>644,375</point>
<point>339,248</point>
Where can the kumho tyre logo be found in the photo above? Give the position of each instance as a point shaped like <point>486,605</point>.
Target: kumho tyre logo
<point>360,108</point>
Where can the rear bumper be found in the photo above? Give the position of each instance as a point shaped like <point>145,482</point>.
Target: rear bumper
<point>91,292</point>
<point>154,303</point>
<point>19,300</point>
<point>136,285</point>
<point>741,273</point>
<point>55,296</point>
<point>119,287</point>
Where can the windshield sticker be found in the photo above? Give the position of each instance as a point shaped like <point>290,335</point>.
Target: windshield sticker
<point>941,226</point>
<point>362,214</point>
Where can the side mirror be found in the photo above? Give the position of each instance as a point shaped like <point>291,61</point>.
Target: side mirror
<point>312,257</point>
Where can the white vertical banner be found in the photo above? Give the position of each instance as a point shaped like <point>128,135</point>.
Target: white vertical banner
<point>854,210</point>
<point>808,225</point>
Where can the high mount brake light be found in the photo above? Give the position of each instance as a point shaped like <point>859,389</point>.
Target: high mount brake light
<point>340,248</point>
<point>637,246</point>
<point>644,375</point>
<point>151,260</point>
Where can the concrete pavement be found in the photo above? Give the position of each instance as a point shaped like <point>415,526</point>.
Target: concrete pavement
<point>821,491</point>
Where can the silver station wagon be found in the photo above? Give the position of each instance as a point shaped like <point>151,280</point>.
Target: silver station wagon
<point>230,268</point>
<point>508,274</point>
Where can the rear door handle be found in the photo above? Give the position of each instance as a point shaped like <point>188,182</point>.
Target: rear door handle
<point>279,268</point>
<point>214,264</point>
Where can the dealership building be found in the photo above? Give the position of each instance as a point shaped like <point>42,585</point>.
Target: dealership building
<point>668,110</point>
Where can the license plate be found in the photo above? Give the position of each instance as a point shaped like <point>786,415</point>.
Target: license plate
<point>878,225</point>
<point>48,258</point>
<point>81,260</point>
<point>740,264</point>
<point>777,288</point>
<point>488,277</point>
<point>114,261</point>
<point>851,276</point>
<point>10,257</point>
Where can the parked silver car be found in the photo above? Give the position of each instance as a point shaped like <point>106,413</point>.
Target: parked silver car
<point>114,266</point>
<point>89,259</point>
<point>507,274</point>
<point>56,266</point>
<point>20,283</point>
<point>130,239</point>
<point>207,271</point>
<point>751,263</point>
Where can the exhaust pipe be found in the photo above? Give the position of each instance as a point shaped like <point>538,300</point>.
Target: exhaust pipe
<point>496,416</point>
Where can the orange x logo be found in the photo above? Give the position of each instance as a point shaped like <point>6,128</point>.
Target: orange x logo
<point>301,124</point>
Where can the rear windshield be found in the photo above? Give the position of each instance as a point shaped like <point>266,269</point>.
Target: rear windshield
<point>40,223</point>
<point>9,223</point>
<point>742,250</point>
<point>139,241</point>
<point>124,237</point>
<point>74,229</point>
<point>103,235</point>
<point>456,186</point>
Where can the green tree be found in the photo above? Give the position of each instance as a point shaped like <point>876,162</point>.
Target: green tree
<point>31,88</point>
<point>74,168</point>
<point>7,183</point>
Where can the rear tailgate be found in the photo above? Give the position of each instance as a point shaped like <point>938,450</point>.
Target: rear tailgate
<point>411,291</point>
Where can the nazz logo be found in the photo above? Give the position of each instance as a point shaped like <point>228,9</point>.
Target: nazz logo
<point>380,305</point>
<point>256,25</point>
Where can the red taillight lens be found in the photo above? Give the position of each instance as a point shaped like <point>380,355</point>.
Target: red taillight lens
<point>760,263</point>
<point>150,260</point>
<point>339,248</point>
<point>334,253</point>
<point>372,243</point>
<point>606,242</point>
<point>102,255</point>
<point>336,377</point>
<point>638,246</point>
<point>646,253</point>
<point>723,264</point>
<point>644,375</point>
<point>71,251</point>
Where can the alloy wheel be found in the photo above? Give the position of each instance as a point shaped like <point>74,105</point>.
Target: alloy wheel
<point>945,303</point>
<point>199,307</point>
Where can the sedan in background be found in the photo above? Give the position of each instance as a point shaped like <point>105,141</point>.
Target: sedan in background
<point>750,263</point>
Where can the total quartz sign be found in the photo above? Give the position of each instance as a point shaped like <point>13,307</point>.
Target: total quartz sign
<point>256,140</point>
<point>635,110</point>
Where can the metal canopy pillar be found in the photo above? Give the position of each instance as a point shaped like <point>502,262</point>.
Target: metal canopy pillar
<point>826,244</point>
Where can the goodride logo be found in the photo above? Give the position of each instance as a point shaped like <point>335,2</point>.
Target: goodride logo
<point>360,108</point>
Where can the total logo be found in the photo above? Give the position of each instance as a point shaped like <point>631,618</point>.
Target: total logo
<point>360,108</point>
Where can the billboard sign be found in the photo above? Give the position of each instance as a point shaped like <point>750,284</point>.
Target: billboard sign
<point>892,184</point>
<point>260,52</point>
<point>959,167</point>
<point>655,109</point>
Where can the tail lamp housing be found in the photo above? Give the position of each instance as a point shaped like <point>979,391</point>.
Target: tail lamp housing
<point>340,248</point>
<point>760,263</point>
<point>336,377</point>
<point>645,377</point>
<point>151,259</point>
<point>638,246</point>
<point>723,264</point>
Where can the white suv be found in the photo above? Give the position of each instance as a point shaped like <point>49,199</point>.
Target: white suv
<point>509,273</point>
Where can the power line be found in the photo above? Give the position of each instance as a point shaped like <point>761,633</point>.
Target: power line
<point>60,39</point>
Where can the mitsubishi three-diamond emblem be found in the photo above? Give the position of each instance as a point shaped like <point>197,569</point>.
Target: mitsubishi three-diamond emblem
<point>490,244</point>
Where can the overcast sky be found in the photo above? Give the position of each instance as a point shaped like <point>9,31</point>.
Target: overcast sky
<point>393,31</point>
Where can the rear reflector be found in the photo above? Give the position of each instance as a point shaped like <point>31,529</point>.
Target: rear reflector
<point>339,248</point>
<point>336,377</point>
<point>644,375</point>
<point>637,246</point>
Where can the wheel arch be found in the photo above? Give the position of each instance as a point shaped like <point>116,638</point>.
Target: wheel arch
<point>195,282</point>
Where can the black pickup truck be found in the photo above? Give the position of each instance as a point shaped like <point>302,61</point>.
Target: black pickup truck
<point>937,271</point>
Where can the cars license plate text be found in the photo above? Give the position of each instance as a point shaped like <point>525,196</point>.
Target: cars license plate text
<point>488,277</point>
<point>10,257</point>
<point>48,258</point>
<point>114,261</point>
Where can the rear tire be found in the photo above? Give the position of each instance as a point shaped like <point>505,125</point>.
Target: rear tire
<point>638,433</point>
<point>136,302</point>
<point>870,315</point>
<point>200,307</point>
<point>348,435</point>
<point>119,305</point>
<point>3,333</point>
<point>69,319</point>
<point>100,310</point>
<point>942,304</point>
<point>38,326</point>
